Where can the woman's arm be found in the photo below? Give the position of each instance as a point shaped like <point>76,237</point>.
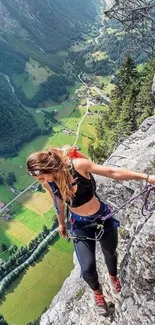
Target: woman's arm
<point>61,206</point>
<point>112,172</point>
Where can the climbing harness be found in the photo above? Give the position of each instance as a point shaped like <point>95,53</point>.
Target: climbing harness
<point>97,238</point>
<point>147,190</point>
<point>96,221</point>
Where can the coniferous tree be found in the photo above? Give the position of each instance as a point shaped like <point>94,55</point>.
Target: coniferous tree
<point>3,321</point>
<point>1,180</point>
<point>127,74</point>
<point>131,102</point>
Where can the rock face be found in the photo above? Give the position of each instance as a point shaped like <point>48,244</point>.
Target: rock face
<point>110,3</point>
<point>74,305</point>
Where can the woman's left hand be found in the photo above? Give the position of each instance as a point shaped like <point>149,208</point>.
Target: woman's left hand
<point>151,179</point>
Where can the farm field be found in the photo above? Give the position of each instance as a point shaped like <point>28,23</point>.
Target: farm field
<point>39,284</point>
<point>28,218</point>
<point>34,75</point>
<point>108,85</point>
<point>99,55</point>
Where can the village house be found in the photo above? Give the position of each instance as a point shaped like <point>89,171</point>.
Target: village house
<point>2,205</point>
<point>34,188</point>
<point>89,113</point>
<point>67,131</point>
<point>6,213</point>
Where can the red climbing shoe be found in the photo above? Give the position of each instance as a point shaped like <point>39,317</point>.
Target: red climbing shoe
<point>101,305</point>
<point>115,285</point>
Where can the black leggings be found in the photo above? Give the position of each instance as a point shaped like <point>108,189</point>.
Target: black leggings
<point>85,251</point>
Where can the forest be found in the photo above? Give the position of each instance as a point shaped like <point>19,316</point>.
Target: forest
<point>131,102</point>
<point>16,124</point>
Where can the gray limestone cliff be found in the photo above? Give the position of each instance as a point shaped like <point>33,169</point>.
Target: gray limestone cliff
<point>73,305</point>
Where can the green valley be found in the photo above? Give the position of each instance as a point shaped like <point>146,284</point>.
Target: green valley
<point>39,284</point>
<point>39,108</point>
<point>60,64</point>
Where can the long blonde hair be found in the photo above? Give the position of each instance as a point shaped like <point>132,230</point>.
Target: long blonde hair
<point>56,161</point>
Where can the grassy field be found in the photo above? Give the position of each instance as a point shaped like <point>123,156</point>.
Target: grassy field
<point>37,71</point>
<point>111,30</point>
<point>5,194</point>
<point>34,201</point>
<point>25,81</point>
<point>105,79</point>
<point>34,75</point>
<point>39,116</point>
<point>100,55</point>
<point>30,212</point>
<point>88,127</point>
<point>32,220</point>
<point>8,239</point>
<point>72,90</point>
<point>108,86</point>
<point>108,89</point>
<point>27,220</point>
<point>141,67</point>
<point>39,284</point>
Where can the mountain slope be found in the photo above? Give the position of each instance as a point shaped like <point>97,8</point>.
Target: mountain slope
<point>51,25</point>
<point>38,30</point>
<point>16,124</point>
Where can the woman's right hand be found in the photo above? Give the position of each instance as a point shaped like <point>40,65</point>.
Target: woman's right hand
<point>62,230</point>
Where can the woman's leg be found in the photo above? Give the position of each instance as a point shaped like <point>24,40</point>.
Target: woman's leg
<point>85,251</point>
<point>109,243</point>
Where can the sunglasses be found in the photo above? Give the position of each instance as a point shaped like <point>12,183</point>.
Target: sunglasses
<point>34,172</point>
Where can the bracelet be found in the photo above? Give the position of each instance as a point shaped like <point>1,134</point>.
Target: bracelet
<point>147,178</point>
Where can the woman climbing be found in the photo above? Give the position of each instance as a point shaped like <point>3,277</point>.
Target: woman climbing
<point>67,175</point>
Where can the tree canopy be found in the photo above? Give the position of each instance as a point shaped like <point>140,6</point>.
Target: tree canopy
<point>131,102</point>
<point>17,125</point>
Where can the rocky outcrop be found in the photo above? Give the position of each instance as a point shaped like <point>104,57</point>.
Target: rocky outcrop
<point>110,3</point>
<point>74,305</point>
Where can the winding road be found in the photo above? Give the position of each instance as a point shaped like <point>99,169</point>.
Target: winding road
<point>99,91</point>
<point>78,129</point>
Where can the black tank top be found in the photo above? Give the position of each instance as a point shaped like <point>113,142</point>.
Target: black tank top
<point>85,189</point>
